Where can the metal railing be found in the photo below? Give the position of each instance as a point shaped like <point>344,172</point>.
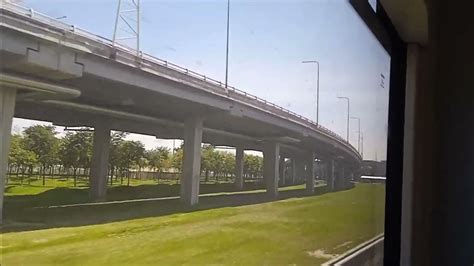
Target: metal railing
<point>147,59</point>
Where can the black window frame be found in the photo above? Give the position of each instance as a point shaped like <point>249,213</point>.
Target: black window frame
<point>383,29</point>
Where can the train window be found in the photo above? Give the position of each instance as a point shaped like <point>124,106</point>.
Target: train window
<point>191,132</point>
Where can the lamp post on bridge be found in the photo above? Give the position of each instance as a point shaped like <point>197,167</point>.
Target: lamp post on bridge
<point>317,88</point>
<point>358,140</point>
<point>227,46</point>
<point>348,114</point>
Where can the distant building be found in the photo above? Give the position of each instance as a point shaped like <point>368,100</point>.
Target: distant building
<point>372,179</point>
<point>374,168</point>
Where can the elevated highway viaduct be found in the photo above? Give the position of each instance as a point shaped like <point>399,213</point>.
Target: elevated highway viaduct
<point>51,71</point>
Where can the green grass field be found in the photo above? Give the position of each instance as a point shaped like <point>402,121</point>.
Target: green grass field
<point>296,230</point>
<point>62,191</point>
<point>35,186</point>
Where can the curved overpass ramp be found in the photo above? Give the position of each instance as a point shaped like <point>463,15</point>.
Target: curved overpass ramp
<point>65,75</point>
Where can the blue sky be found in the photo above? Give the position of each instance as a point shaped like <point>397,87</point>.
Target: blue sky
<point>268,41</point>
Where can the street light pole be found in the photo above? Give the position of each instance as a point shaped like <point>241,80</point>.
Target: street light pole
<point>348,115</point>
<point>317,89</point>
<point>173,146</point>
<point>358,141</point>
<point>227,45</point>
<point>362,145</point>
<point>138,27</point>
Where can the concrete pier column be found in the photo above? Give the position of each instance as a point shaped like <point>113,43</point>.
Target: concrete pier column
<point>7,109</point>
<point>331,180</point>
<point>191,160</point>
<point>350,178</point>
<point>282,171</point>
<point>300,170</point>
<point>293,170</point>
<point>239,168</point>
<point>310,174</point>
<point>100,163</point>
<point>340,178</point>
<point>271,154</point>
<point>346,177</point>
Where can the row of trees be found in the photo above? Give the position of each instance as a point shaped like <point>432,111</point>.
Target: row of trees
<point>39,150</point>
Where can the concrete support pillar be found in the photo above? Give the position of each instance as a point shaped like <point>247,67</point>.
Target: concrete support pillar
<point>191,161</point>
<point>310,174</point>
<point>347,173</point>
<point>340,178</point>
<point>271,154</point>
<point>7,109</point>
<point>239,168</point>
<point>331,180</point>
<point>293,170</point>
<point>282,170</point>
<point>358,173</point>
<point>319,170</point>
<point>350,178</point>
<point>300,170</point>
<point>100,163</point>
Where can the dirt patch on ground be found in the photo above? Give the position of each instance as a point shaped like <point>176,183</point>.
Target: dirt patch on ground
<point>320,254</point>
<point>343,244</point>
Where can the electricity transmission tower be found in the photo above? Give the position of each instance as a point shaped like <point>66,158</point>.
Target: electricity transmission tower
<point>127,24</point>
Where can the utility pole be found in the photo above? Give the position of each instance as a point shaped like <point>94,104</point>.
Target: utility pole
<point>358,140</point>
<point>227,46</point>
<point>348,114</point>
<point>174,144</point>
<point>317,88</point>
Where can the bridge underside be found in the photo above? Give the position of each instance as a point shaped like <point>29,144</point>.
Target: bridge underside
<point>77,112</point>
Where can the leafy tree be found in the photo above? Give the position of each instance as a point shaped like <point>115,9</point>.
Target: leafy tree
<point>207,160</point>
<point>116,140</point>
<point>43,142</point>
<point>220,163</point>
<point>76,151</point>
<point>253,166</point>
<point>19,157</point>
<point>142,163</point>
<point>213,162</point>
<point>130,154</point>
<point>229,164</point>
<point>217,165</point>
<point>158,158</point>
<point>177,159</point>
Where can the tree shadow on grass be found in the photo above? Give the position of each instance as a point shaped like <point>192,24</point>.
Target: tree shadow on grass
<point>28,219</point>
<point>77,195</point>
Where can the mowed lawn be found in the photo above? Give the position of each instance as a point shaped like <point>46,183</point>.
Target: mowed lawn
<point>62,192</point>
<point>302,231</point>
